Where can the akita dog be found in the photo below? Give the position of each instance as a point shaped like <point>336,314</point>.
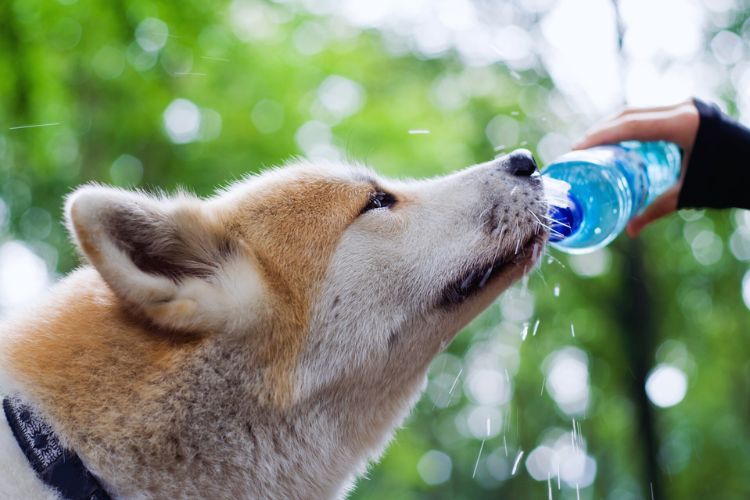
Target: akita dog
<point>261,343</point>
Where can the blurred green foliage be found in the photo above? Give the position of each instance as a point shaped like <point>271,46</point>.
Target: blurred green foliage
<point>77,67</point>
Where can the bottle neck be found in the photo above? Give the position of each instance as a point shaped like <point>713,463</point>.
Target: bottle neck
<point>564,212</point>
<point>565,217</point>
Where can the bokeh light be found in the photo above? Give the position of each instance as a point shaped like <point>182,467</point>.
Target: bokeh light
<point>434,467</point>
<point>567,376</point>
<point>151,34</point>
<point>23,275</point>
<point>182,121</point>
<point>666,385</point>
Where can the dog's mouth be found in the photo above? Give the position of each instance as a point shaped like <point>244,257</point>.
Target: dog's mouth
<point>478,277</point>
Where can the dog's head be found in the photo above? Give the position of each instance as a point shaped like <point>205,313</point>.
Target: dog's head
<point>329,274</point>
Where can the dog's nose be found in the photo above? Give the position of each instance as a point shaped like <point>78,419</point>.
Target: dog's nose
<point>521,163</point>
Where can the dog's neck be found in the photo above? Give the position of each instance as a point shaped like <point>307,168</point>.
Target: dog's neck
<point>171,416</point>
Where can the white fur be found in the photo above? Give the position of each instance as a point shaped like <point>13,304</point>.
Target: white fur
<point>17,479</point>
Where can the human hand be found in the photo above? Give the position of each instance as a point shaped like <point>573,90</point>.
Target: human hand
<point>677,123</point>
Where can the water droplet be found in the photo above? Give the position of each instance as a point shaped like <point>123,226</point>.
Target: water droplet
<point>516,462</point>
<point>476,465</point>
<point>536,327</point>
<point>556,290</point>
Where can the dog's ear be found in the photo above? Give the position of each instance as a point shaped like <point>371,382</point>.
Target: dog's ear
<point>170,258</point>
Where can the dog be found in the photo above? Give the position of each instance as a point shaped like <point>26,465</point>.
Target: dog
<point>261,343</point>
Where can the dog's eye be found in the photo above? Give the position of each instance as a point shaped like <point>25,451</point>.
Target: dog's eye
<point>379,199</point>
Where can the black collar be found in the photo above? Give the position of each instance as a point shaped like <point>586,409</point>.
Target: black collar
<point>58,467</point>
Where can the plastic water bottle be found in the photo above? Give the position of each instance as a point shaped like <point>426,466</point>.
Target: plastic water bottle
<point>593,193</point>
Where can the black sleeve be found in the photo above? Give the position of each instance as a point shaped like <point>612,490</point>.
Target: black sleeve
<point>718,173</point>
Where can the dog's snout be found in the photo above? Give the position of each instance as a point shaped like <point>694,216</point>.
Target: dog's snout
<point>521,163</point>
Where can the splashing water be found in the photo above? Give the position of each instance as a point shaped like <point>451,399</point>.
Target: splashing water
<point>549,486</point>
<point>210,58</point>
<point>536,327</point>
<point>476,465</point>
<point>18,127</point>
<point>525,280</point>
<point>453,386</point>
<point>516,462</point>
<point>572,330</point>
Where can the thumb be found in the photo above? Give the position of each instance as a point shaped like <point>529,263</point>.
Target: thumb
<point>663,205</point>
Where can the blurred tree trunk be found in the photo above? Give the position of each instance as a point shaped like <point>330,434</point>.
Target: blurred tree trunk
<point>633,309</point>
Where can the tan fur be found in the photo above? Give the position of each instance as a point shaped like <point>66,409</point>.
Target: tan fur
<point>77,359</point>
<point>291,231</point>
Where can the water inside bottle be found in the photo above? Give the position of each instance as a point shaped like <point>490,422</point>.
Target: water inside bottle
<point>595,206</point>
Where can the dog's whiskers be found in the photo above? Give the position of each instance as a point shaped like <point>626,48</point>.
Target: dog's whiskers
<point>552,219</point>
<point>550,229</point>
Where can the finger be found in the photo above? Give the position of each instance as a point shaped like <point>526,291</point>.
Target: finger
<point>655,109</point>
<point>637,127</point>
<point>631,110</point>
<point>663,205</point>
<point>604,132</point>
<point>661,122</point>
<point>608,122</point>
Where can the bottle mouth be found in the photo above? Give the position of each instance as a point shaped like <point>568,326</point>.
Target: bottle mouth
<point>564,210</point>
<point>564,220</point>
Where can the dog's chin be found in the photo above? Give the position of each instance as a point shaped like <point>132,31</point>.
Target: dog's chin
<point>465,304</point>
<point>488,280</point>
